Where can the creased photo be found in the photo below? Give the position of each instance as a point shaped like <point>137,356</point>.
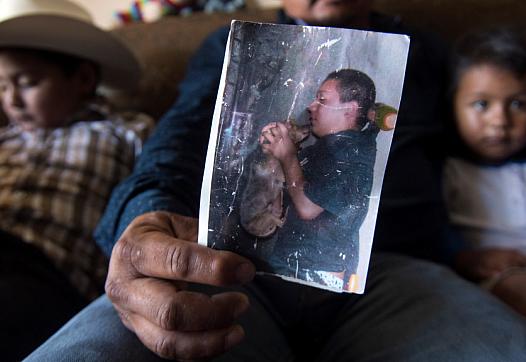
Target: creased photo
<point>300,139</point>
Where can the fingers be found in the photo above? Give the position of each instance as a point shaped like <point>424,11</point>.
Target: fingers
<point>183,345</point>
<point>268,127</point>
<point>268,134</point>
<point>273,132</point>
<point>150,267</point>
<point>275,129</point>
<point>165,305</point>
<point>162,256</point>
<point>282,127</point>
<point>150,249</point>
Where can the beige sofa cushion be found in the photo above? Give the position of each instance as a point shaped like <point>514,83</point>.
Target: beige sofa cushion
<point>165,46</point>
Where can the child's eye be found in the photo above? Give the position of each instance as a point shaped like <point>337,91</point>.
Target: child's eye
<point>27,82</point>
<point>518,104</point>
<point>480,105</point>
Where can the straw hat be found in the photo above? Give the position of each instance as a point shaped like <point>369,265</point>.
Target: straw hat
<point>61,26</point>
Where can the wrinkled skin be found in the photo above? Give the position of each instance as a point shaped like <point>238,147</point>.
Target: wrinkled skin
<point>150,268</point>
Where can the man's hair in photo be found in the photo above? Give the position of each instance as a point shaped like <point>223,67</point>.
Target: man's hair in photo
<point>354,85</point>
<point>503,47</point>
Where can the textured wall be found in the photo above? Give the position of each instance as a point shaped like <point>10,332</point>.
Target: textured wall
<point>102,10</point>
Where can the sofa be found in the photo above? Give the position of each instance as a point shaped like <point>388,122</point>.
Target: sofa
<point>164,47</point>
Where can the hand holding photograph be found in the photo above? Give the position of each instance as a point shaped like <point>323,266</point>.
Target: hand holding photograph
<point>300,138</point>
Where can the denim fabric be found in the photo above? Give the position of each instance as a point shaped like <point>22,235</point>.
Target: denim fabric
<point>412,311</point>
<point>36,299</point>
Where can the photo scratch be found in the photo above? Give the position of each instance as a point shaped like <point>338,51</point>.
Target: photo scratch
<point>329,43</point>
<point>297,91</point>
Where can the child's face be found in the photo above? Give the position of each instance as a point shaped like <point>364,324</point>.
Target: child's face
<point>35,93</point>
<point>490,110</point>
<point>328,115</point>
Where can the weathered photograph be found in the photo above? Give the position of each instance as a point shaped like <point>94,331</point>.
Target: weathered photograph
<point>301,135</point>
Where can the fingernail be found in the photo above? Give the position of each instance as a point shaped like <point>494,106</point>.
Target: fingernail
<point>241,307</point>
<point>233,337</point>
<point>245,272</point>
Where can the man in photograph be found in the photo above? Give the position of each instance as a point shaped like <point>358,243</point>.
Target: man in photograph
<point>328,184</point>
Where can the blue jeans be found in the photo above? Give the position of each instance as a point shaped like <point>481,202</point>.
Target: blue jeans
<point>36,299</point>
<point>412,310</point>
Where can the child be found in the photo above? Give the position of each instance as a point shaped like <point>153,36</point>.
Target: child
<point>485,184</point>
<point>60,156</point>
<point>325,217</point>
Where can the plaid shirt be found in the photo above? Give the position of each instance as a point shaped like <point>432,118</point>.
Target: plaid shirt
<point>54,185</point>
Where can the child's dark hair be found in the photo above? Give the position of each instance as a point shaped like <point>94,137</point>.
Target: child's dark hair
<point>354,85</point>
<point>68,64</point>
<point>503,47</point>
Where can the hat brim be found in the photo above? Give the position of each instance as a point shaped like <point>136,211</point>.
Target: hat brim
<point>119,67</point>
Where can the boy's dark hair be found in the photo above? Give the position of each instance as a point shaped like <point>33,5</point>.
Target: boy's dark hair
<point>354,85</point>
<point>69,64</point>
<point>503,47</point>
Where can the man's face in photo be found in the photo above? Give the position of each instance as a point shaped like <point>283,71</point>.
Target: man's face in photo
<point>328,115</point>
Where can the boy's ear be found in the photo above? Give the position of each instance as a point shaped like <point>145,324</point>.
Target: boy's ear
<point>352,113</point>
<point>352,109</point>
<point>88,78</point>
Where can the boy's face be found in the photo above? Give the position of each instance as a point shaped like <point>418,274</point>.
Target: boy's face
<point>37,94</point>
<point>329,12</point>
<point>328,115</point>
<point>490,110</point>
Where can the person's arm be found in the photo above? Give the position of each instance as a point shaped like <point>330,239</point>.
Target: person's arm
<point>171,164</point>
<point>295,181</point>
<point>276,141</point>
<point>150,225</point>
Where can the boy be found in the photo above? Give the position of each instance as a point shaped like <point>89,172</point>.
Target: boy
<point>326,215</point>
<point>484,181</point>
<point>60,157</point>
